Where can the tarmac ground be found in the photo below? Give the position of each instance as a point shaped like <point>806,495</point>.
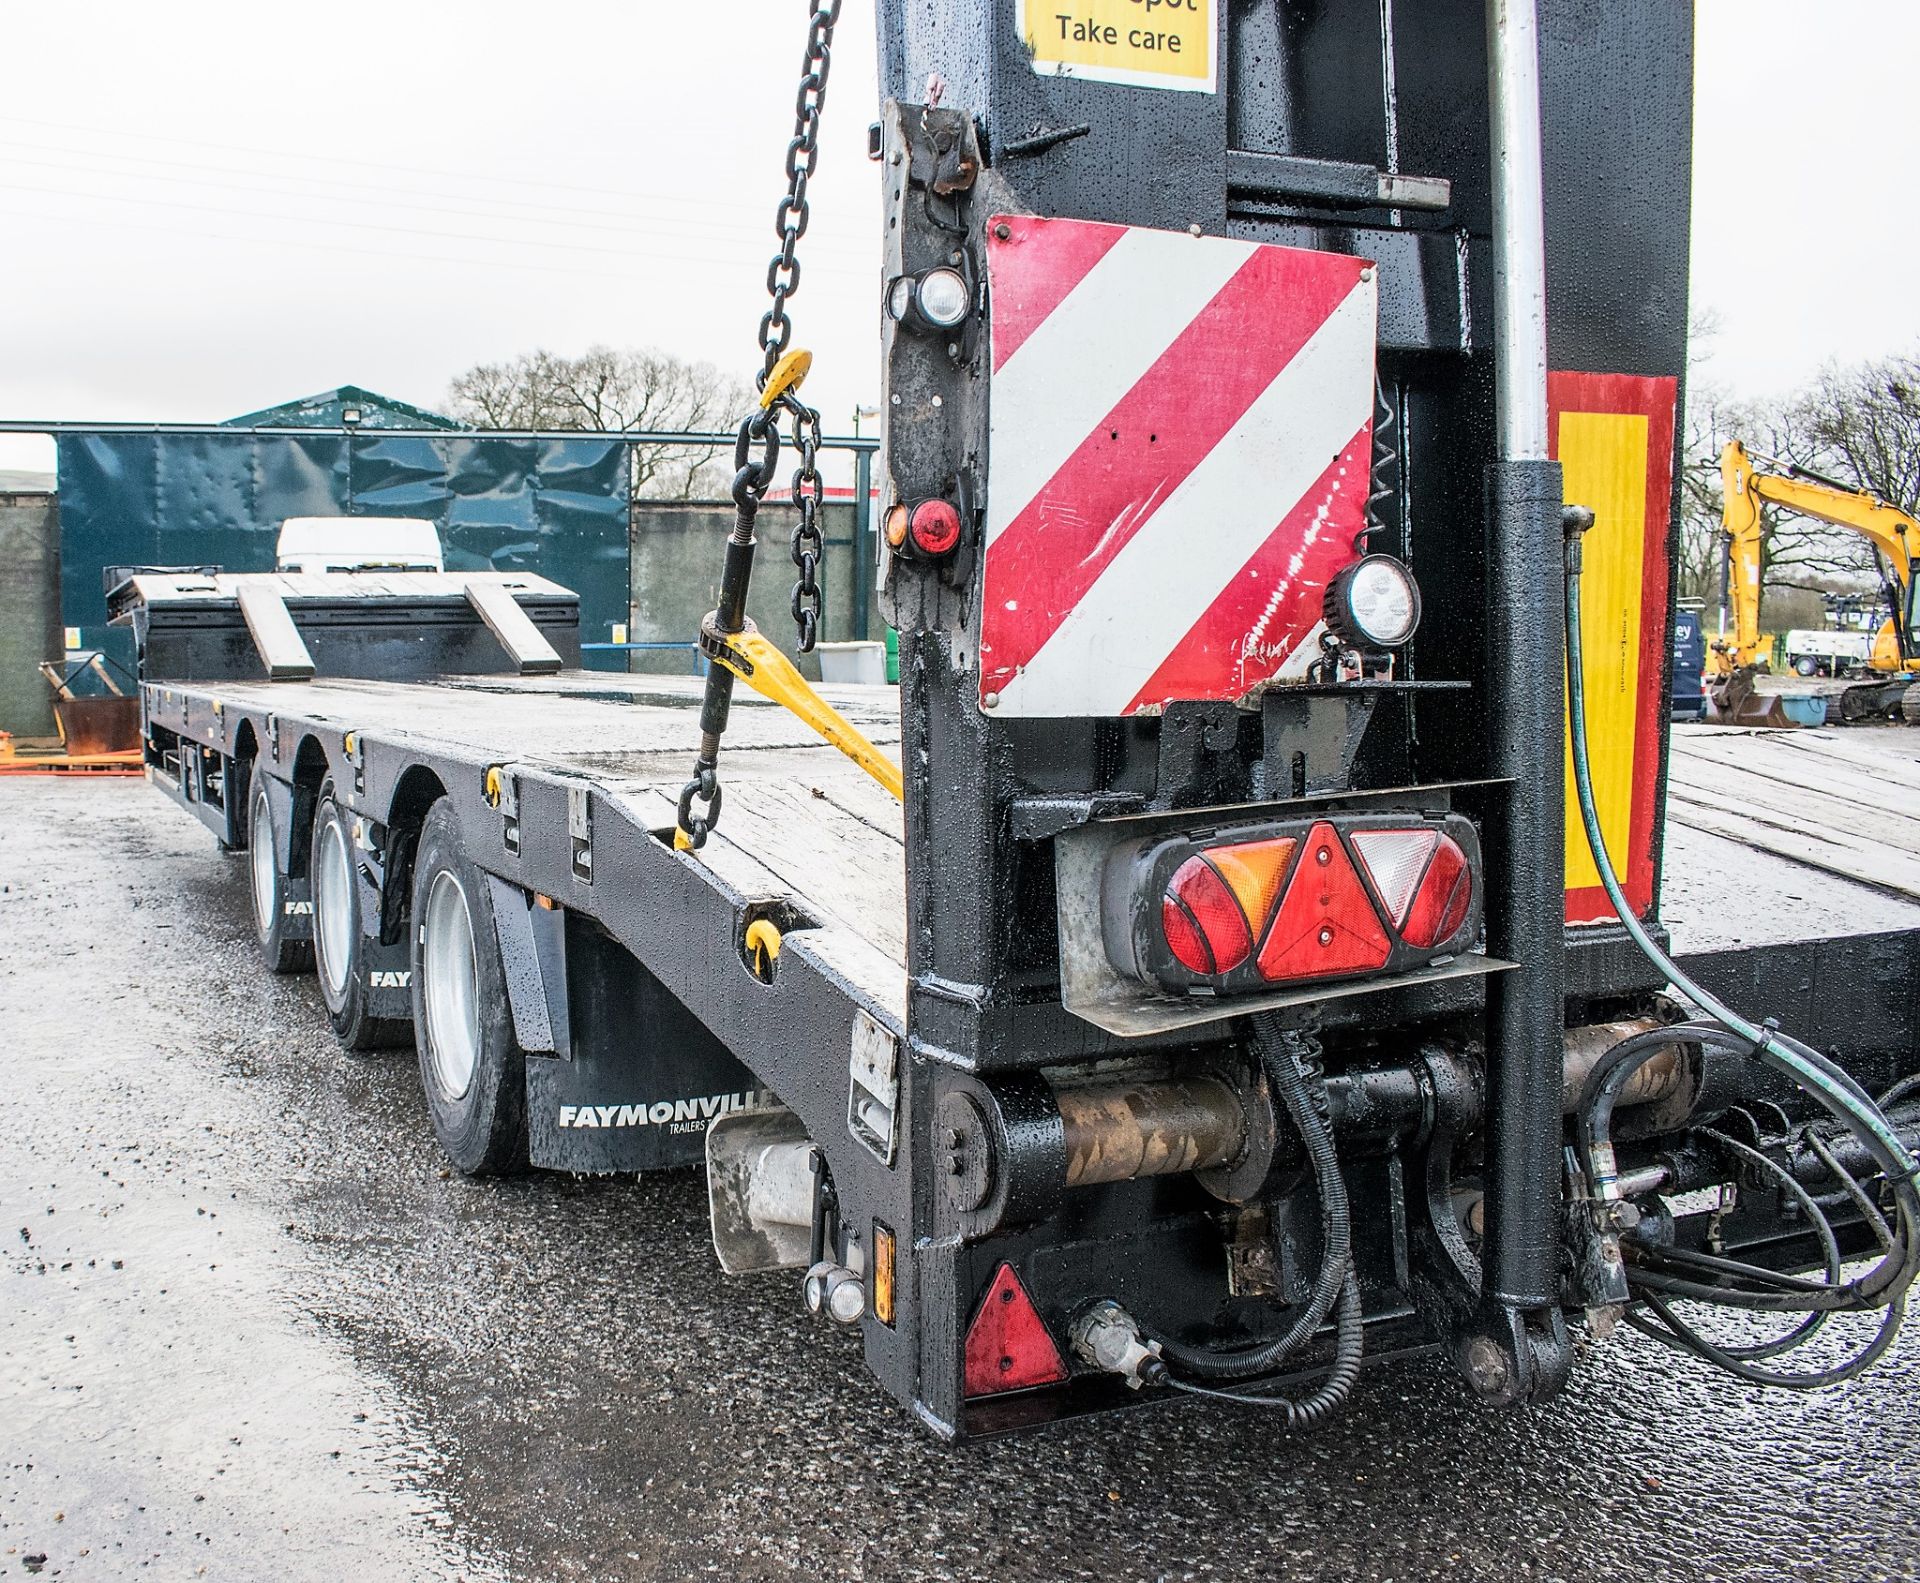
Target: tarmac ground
<point>252,1328</point>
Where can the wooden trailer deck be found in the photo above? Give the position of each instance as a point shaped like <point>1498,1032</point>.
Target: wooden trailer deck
<point>1775,836</point>
<point>798,817</point>
<point>1771,836</point>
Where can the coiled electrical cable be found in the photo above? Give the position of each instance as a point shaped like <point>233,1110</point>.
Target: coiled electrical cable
<point>1307,1411</point>
<point>1655,1279</point>
<point>1292,1067</point>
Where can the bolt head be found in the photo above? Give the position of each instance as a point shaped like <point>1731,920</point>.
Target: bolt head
<point>1486,1365</point>
<point>1003,230</point>
<point>1326,935</point>
<point>990,700</point>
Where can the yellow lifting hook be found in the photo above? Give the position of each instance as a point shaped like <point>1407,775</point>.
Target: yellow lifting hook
<point>774,677</point>
<point>789,374</point>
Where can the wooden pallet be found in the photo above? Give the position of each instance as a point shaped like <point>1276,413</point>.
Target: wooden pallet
<point>14,762</point>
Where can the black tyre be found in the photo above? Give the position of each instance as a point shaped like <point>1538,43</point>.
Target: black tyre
<point>1806,665</point>
<point>339,959</point>
<point>269,887</point>
<point>472,1069</point>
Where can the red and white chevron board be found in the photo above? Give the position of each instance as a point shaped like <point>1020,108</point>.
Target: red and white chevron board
<point>1179,462</point>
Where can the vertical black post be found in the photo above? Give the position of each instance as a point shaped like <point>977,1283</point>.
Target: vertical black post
<point>1518,1348</point>
<point>1526,887</point>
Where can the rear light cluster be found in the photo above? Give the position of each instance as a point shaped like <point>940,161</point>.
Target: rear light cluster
<point>1335,898</point>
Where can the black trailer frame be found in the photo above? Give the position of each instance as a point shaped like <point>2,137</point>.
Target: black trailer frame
<point>903,1006</point>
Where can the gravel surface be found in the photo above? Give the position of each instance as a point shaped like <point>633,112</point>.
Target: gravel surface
<point>251,1328</point>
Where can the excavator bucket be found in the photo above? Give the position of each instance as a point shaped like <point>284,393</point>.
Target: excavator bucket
<point>1736,700</point>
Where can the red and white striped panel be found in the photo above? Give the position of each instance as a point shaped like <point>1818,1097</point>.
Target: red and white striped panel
<point>1179,462</point>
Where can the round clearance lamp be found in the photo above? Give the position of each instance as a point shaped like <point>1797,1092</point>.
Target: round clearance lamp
<point>935,299</point>
<point>1374,603</point>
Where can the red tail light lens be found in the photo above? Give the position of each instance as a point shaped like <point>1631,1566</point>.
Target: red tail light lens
<point>1184,939</point>
<point>1216,906</point>
<point>1443,901</point>
<point>1326,926</point>
<point>934,526</point>
<point>1009,1347</point>
<point>1198,894</point>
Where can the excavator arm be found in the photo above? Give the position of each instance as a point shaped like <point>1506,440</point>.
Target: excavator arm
<point>1745,490</point>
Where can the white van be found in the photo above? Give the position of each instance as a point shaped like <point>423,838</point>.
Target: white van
<point>358,544</point>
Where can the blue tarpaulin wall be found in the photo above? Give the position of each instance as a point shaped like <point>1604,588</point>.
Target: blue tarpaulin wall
<point>554,507</point>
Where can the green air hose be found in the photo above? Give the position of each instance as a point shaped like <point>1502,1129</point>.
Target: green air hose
<point>1660,1276</point>
<point>1835,1091</point>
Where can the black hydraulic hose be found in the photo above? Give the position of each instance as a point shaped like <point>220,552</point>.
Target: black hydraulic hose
<point>1592,1116</point>
<point>1683,1337</point>
<point>1814,1073</point>
<point>1281,1059</point>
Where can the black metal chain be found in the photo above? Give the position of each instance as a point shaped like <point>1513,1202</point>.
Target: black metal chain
<point>752,480</point>
<point>803,153</point>
<point>804,544</point>
<point>776,329</point>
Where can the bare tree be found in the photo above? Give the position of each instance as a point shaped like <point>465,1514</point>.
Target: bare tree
<point>1863,427</point>
<point>1711,418</point>
<point>1859,426</point>
<point>614,390</point>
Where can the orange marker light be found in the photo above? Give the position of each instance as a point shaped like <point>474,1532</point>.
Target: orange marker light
<point>883,1251</point>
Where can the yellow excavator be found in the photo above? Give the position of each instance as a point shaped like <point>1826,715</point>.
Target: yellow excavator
<point>1733,661</point>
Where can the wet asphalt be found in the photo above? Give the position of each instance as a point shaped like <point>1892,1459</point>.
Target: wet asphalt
<point>251,1328</point>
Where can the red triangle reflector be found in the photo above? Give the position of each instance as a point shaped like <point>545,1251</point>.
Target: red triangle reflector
<point>1008,1348</point>
<point>1326,924</point>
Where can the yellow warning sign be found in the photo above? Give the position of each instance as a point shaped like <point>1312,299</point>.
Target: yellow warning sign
<point>1150,43</point>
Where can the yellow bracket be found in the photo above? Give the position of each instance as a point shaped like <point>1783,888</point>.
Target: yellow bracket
<point>773,676</point>
<point>763,946</point>
<point>787,374</point>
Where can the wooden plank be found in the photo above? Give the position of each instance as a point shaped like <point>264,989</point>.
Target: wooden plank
<point>1879,754</point>
<point>872,958</point>
<point>557,721</point>
<point>1864,861</point>
<point>836,864</point>
<point>531,654</point>
<point>1719,892</point>
<point>281,648</point>
<point>1814,810</point>
<point>1770,759</point>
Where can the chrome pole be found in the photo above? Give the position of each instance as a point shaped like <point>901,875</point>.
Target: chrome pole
<point>1519,231</point>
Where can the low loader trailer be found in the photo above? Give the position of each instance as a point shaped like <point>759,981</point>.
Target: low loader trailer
<point>1233,952</point>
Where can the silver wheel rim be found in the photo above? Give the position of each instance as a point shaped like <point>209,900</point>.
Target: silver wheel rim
<point>450,981</point>
<point>333,902</point>
<point>265,872</point>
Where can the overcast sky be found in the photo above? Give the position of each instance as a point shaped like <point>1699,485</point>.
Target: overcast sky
<point>212,207</point>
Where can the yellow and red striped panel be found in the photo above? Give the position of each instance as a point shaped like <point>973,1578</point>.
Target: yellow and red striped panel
<point>1613,437</point>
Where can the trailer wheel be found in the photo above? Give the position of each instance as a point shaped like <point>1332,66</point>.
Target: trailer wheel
<point>473,1070</point>
<point>338,954</point>
<point>269,888</point>
<point>1806,665</point>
